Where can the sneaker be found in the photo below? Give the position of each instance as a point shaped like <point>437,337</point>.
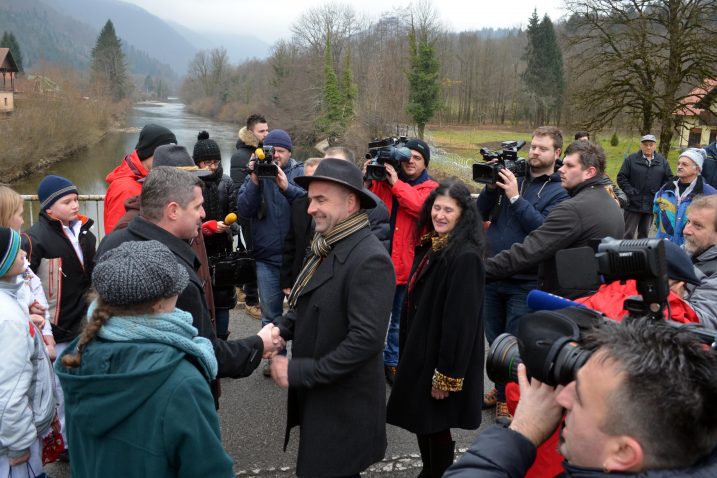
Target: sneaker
<point>390,373</point>
<point>254,311</point>
<point>490,398</point>
<point>502,415</point>
<point>267,368</point>
<point>241,296</point>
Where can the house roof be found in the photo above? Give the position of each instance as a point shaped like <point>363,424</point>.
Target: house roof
<point>698,100</point>
<point>7,62</point>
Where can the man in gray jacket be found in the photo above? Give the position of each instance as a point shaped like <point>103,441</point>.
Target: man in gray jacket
<point>701,244</point>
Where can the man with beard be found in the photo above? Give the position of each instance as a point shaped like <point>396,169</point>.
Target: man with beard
<point>701,244</point>
<point>515,207</point>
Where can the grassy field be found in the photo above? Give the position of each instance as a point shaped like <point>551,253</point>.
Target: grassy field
<point>456,148</point>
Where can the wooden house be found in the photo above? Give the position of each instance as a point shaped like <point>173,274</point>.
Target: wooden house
<point>698,116</point>
<point>8,70</point>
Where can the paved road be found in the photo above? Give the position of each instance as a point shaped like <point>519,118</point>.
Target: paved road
<point>253,412</point>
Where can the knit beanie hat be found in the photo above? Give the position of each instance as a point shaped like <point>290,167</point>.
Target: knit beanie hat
<point>138,272</point>
<point>52,188</point>
<point>151,136</point>
<point>421,147</point>
<point>9,248</point>
<point>696,155</point>
<point>278,137</point>
<point>206,149</point>
<point>679,265</point>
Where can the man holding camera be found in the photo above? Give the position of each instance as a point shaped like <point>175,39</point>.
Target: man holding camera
<point>403,192</point>
<point>590,213</point>
<point>515,206</point>
<point>643,404</point>
<point>266,201</point>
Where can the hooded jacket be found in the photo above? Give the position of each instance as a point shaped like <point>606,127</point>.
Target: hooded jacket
<point>246,145</point>
<point>123,182</point>
<point>269,210</point>
<point>27,386</point>
<point>140,409</point>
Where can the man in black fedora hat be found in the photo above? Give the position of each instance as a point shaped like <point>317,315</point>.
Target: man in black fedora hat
<point>338,315</point>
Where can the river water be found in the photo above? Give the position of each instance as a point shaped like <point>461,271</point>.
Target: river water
<point>88,168</point>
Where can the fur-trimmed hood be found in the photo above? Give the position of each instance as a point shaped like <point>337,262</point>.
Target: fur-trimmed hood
<point>247,138</point>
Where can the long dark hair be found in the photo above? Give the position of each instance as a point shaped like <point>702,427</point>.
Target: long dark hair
<point>468,230</point>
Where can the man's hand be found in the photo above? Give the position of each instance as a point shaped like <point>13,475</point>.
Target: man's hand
<point>250,167</point>
<point>508,183</point>
<point>19,460</point>
<point>538,413</point>
<point>280,371</point>
<point>222,227</point>
<point>38,320</point>
<point>271,339</point>
<point>439,394</point>
<point>286,291</point>
<point>391,174</point>
<point>37,308</point>
<point>281,180</point>
<point>678,287</point>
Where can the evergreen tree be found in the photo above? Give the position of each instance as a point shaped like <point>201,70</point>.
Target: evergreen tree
<point>348,90</point>
<point>423,77</point>
<point>8,41</point>
<point>331,119</point>
<point>543,77</point>
<point>109,69</point>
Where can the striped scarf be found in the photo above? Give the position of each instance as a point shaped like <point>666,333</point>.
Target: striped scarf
<point>321,247</point>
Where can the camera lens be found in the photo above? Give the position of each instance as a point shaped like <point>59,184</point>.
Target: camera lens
<point>503,359</point>
<point>569,360</point>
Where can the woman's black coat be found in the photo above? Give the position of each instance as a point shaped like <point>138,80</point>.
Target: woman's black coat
<point>441,329</point>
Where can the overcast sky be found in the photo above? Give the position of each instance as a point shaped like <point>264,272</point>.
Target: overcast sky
<point>272,19</point>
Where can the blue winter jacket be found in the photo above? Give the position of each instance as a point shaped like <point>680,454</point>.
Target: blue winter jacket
<point>510,223</point>
<point>269,210</point>
<point>671,218</point>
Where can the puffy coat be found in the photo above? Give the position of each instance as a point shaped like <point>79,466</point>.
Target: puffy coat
<point>410,200</point>
<point>123,182</point>
<point>670,218</point>
<point>269,210</point>
<point>640,180</point>
<point>47,240</point>
<point>246,145</point>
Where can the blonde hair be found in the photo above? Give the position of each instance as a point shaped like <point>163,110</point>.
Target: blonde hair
<point>10,202</point>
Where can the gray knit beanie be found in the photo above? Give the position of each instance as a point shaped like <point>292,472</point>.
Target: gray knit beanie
<point>137,272</point>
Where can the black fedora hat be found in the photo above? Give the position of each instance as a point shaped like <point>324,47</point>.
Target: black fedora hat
<point>340,172</point>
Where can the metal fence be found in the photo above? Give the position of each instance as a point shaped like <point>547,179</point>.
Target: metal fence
<point>91,205</point>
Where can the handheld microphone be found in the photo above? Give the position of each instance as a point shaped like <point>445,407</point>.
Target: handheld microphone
<point>260,154</point>
<point>230,219</point>
<point>209,228</point>
<point>541,300</point>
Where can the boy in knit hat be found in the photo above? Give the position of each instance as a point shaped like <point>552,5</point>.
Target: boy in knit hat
<point>61,251</point>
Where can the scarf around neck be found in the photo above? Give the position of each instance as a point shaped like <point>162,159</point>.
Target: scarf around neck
<point>169,328</point>
<point>321,246</point>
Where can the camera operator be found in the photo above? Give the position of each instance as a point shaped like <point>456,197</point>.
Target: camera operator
<point>701,244</point>
<point>643,404</point>
<point>403,192</point>
<point>267,203</point>
<point>515,207</point>
<point>590,213</point>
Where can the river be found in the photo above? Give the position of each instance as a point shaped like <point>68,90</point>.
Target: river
<point>88,167</point>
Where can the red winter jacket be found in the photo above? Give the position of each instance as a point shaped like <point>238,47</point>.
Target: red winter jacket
<point>124,182</point>
<point>404,237</point>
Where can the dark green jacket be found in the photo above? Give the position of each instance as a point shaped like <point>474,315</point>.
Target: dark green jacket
<point>140,409</point>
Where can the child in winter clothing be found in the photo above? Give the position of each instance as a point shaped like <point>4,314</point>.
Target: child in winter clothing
<point>27,399</point>
<point>139,375</point>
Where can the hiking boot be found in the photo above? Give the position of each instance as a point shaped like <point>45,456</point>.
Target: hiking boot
<point>502,415</point>
<point>267,369</point>
<point>254,311</point>
<point>490,398</point>
<point>241,296</point>
<point>390,372</point>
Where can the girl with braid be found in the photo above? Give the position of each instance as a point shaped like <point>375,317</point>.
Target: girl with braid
<point>136,380</point>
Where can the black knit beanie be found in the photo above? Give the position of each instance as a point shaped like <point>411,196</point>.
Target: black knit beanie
<point>151,136</point>
<point>420,146</point>
<point>206,149</point>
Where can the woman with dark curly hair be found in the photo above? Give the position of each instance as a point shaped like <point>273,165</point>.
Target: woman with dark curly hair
<point>439,383</point>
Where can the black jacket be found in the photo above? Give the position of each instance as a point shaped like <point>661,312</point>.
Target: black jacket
<point>246,145</point>
<point>709,168</point>
<point>641,180</point>
<point>236,358</point>
<point>502,452</point>
<point>297,242</point>
<point>591,213</point>
<point>220,199</point>
<point>441,330</point>
<point>46,240</point>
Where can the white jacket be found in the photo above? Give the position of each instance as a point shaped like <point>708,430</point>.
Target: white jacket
<point>27,397</point>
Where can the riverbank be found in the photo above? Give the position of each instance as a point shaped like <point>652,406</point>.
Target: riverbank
<point>45,130</point>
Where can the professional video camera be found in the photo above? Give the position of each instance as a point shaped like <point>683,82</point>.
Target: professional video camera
<point>549,341</point>
<point>264,166</point>
<point>391,151</point>
<point>487,173</point>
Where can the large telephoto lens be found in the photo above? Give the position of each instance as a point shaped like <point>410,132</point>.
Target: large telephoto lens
<point>503,359</point>
<point>569,360</point>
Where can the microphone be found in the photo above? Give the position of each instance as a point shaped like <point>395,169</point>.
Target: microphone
<point>541,300</point>
<point>260,154</point>
<point>209,228</point>
<point>230,219</point>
